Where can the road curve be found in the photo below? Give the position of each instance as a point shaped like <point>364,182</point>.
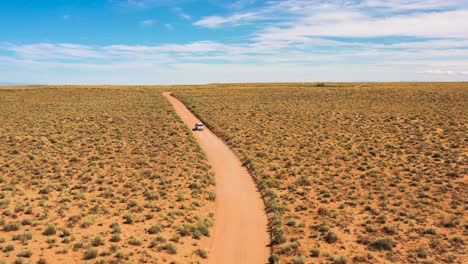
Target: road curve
<point>240,233</point>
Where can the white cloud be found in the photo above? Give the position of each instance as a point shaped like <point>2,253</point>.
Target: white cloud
<point>217,21</point>
<point>147,22</point>
<point>450,24</point>
<point>291,40</point>
<point>399,5</point>
<point>52,51</point>
<point>445,72</point>
<point>182,14</point>
<point>441,72</point>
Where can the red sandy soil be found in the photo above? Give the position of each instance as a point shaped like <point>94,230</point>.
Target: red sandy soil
<point>240,232</point>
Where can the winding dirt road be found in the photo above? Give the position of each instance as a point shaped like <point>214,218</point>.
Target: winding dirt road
<point>240,232</point>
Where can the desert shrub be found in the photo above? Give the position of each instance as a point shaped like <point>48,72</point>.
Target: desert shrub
<point>331,237</point>
<point>315,253</point>
<point>115,238</point>
<point>430,231</point>
<point>175,238</point>
<point>25,254</point>
<point>9,248</point>
<point>458,240</point>
<point>290,247</point>
<point>291,223</point>
<point>450,223</point>
<point>50,230</point>
<point>23,237</point>
<point>97,241</point>
<point>169,248</point>
<point>128,219</point>
<point>78,245</point>
<point>155,229</point>
<point>41,261</point>
<point>382,244</point>
<point>134,241</point>
<point>299,260</point>
<point>202,253</point>
<point>278,238</point>
<point>274,259</point>
<point>90,253</point>
<point>421,252</point>
<point>212,196</point>
<point>11,226</point>
<point>340,260</point>
<point>18,261</point>
<point>86,224</point>
<point>196,231</point>
<point>391,230</point>
<point>26,222</point>
<point>116,228</point>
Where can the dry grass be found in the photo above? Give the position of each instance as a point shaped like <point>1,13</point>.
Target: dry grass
<point>99,174</point>
<point>361,173</point>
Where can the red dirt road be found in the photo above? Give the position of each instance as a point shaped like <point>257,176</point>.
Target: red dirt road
<point>240,232</point>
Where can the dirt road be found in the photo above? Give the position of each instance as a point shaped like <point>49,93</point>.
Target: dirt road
<point>240,231</point>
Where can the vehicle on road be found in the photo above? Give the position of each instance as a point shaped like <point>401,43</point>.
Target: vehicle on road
<point>199,127</point>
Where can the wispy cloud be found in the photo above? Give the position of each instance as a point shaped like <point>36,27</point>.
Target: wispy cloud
<point>233,20</point>
<point>48,51</point>
<point>147,22</point>
<point>182,14</point>
<point>449,24</point>
<point>286,40</point>
<point>445,72</point>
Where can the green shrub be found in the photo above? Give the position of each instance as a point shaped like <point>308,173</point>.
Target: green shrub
<point>331,237</point>
<point>116,228</point>
<point>42,261</point>
<point>430,231</point>
<point>86,224</point>
<point>155,229</point>
<point>340,260</point>
<point>97,241</point>
<point>299,260</point>
<point>18,261</point>
<point>169,248</point>
<point>278,238</point>
<point>382,244</point>
<point>25,254</point>
<point>115,238</point>
<point>315,253</point>
<point>90,253</point>
<point>9,248</point>
<point>23,237</point>
<point>134,242</point>
<point>50,230</point>
<point>128,219</point>
<point>391,230</point>
<point>274,259</point>
<point>202,253</point>
<point>11,226</point>
<point>78,245</point>
<point>421,253</point>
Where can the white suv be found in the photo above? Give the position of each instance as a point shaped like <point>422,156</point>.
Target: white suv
<point>199,127</point>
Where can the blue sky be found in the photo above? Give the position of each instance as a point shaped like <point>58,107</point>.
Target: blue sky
<point>205,41</point>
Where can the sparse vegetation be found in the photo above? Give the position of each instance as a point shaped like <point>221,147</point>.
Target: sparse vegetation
<point>82,169</point>
<point>362,160</point>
